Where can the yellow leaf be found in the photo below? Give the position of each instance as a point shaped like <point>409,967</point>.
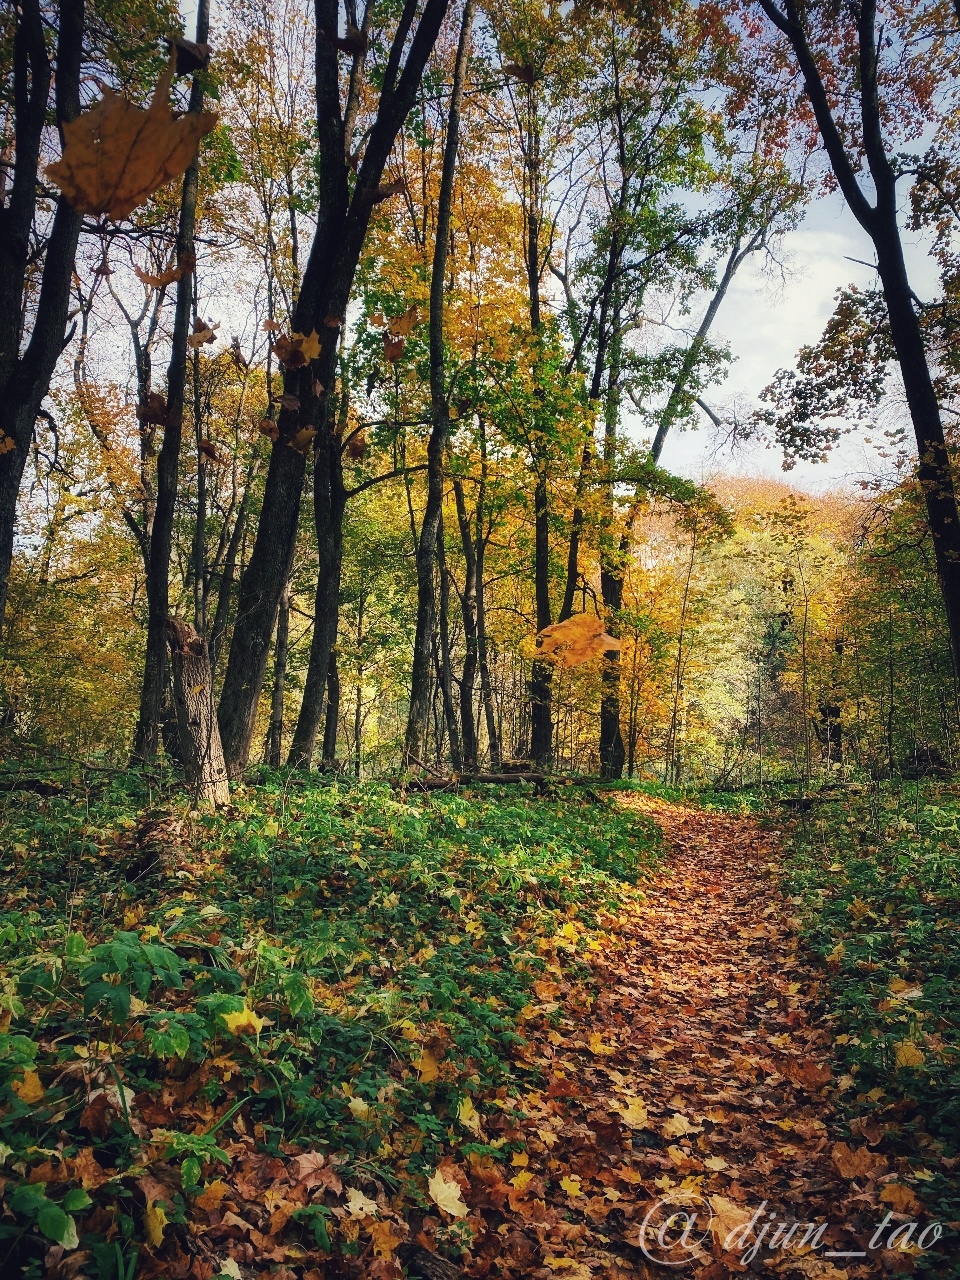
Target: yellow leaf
<point>677,1126</point>
<point>575,640</point>
<point>428,1067</point>
<point>468,1115</point>
<point>837,954</point>
<point>598,1046</point>
<point>446,1195</point>
<point>521,1180</point>
<point>715,1163</point>
<point>212,1194</point>
<point>908,1054</point>
<point>116,155</point>
<point>633,1113</point>
<point>520,1160</point>
<point>244,1022</point>
<point>571,1186</point>
<point>309,344</point>
<point>385,1238</point>
<point>360,1109</point>
<point>154,1220</point>
<point>29,1089</point>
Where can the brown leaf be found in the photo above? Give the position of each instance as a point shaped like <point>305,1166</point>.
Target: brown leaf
<point>240,361</point>
<point>900,1198</point>
<point>357,445</point>
<point>805,1073</point>
<point>190,56</point>
<point>269,429</point>
<point>7,443</point>
<point>290,402</point>
<point>520,72</point>
<point>209,450</point>
<point>154,411</point>
<point>857,1162</point>
<point>289,353</point>
<point>271,326</point>
<point>388,189</point>
<point>116,155</point>
<point>184,267</point>
<point>204,331</point>
<point>393,347</point>
<point>403,326</point>
<point>354,43</point>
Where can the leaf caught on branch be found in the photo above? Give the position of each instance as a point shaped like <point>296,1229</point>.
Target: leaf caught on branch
<point>393,347</point>
<point>190,56</point>
<point>116,155</point>
<point>575,641</point>
<point>241,363</point>
<point>388,189</point>
<point>403,326</point>
<point>269,429</point>
<point>184,267</point>
<point>520,72</point>
<point>154,412</point>
<point>301,441</point>
<point>203,331</point>
<point>209,450</point>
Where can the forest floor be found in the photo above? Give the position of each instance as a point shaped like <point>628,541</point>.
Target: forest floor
<point>712,1022</point>
<point>335,1031</point>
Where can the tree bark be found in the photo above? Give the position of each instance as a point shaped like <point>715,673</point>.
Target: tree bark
<point>203,763</point>
<point>419,712</point>
<point>468,609</point>
<point>325,291</point>
<point>147,738</point>
<point>25,378</point>
<point>274,743</point>
<point>331,722</point>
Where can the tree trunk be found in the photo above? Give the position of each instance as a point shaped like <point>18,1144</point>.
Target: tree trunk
<point>541,675</point>
<point>419,712</point>
<point>25,379</point>
<point>444,667</point>
<point>332,721</point>
<point>342,223</point>
<point>203,764</point>
<point>147,738</point>
<point>468,608</point>
<point>274,743</point>
<point>329,505</point>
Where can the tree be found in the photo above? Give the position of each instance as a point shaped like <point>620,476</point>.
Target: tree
<point>864,57</point>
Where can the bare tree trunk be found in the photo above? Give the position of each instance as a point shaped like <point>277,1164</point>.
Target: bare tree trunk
<point>468,608</point>
<point>25,378</point>
<point>343,218</point>
<point>147,739</point>
<point>444,668</point>
<point>332,722</point>
<point>204,769</point>
<point>274,742</point>
<point>419,712</point>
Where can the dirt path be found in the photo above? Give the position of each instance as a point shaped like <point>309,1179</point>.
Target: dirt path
<point>696,1087</point>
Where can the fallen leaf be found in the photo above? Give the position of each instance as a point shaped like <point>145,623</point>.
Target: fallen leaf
<point>446,1195</point>
<point>244,1022</point>
<point>900,1198</point>
<point>907,1053</point>
<point>154,1221</point>
<point>359,1205</point>
<point>28,1089</point>
<point>857,1162</point>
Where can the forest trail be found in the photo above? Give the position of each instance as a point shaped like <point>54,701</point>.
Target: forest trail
<point>700,1076</point>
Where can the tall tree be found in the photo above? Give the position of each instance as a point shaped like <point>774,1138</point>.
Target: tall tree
<point>310,392</point>
<point>25,371</point>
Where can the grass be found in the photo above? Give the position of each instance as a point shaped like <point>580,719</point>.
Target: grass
<point>877,882</point>
<point>322,967</point>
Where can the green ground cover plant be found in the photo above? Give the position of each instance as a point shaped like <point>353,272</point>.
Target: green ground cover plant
<point>323,968</point>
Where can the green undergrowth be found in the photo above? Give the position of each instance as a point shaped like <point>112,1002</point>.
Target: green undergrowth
<point>877,880</point>
<point>320,967</point>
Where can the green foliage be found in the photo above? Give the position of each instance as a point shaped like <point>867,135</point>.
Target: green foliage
<point>877,880</point>
<point>322,965</point>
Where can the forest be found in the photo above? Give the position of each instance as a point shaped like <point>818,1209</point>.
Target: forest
<point>444,830</point>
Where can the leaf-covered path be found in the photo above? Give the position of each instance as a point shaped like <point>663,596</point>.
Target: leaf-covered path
<point>698,1077</point>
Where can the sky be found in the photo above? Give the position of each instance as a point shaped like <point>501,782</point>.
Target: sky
<point>766,318</point>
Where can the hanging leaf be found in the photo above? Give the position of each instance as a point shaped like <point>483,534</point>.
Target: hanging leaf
<point>575,641</point>
<point>190,56</point>
<point>301,441</point>
<point>184,267</point>
<point>393,347</point>
<point>209,450</point>
<point>154,412</point>
<point>269,429</point>
<point>332,322</point>
<point>290,402</point>
<point>376,320</point>
<point>203,331</point>
<point>403,325</point>
<point>241,363</point>
<point>116,155</point>
<point>271,326</point>
<point>354,43</point>
<point>7,443</point>
<point>388,189</point>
